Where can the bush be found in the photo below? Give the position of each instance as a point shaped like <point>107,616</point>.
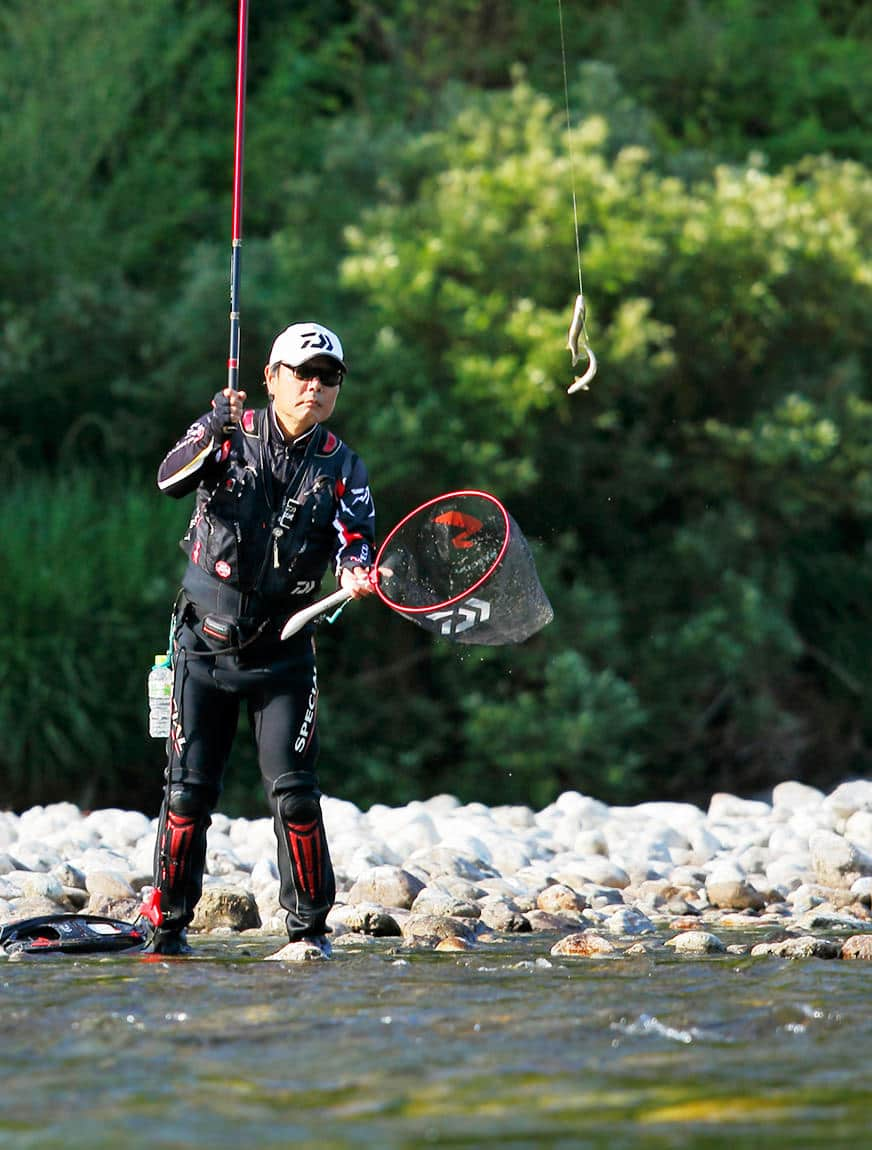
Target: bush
<point>89,589</point>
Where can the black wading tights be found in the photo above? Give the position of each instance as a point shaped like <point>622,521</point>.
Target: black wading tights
<point>282,700</point>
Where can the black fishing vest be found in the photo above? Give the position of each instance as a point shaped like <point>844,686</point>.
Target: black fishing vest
<point>271,546</point>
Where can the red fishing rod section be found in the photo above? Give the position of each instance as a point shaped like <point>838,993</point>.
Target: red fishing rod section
<point>238,151</point>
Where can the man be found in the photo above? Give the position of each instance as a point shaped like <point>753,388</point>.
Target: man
<point>278,498</point>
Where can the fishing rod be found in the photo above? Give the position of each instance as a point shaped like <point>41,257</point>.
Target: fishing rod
<point>238,150</point>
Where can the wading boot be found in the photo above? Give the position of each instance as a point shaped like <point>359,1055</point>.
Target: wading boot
<point>171,943</point>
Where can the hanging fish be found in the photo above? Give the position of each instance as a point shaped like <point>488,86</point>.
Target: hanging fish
<point>578,345</point>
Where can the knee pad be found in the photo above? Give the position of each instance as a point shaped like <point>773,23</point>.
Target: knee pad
<point>190,800</point>
<point>297,796</point>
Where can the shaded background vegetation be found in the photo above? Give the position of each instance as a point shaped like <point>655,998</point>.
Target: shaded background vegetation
<point>701,518</point>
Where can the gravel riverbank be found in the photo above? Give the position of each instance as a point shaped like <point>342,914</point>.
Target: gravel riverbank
<point>441,874</point>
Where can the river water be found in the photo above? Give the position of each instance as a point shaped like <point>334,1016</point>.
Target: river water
<point>499,1046</point>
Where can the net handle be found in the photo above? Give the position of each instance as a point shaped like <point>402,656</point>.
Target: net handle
<point>307,614</point>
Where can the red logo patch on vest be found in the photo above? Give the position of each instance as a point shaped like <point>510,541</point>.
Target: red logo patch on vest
<point>222,569</point>
<point>248,419</point>
<point>330,444</point>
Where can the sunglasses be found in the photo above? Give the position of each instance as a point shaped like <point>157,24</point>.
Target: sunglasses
<point>329,376</point>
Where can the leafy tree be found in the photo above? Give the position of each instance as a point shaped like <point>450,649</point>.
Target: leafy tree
<point>703,299</point>
<point>98,204</point>
<point>700,517</point>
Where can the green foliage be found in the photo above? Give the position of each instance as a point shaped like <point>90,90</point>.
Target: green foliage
<point>791,78</point>
<point>578,728</point>
<point>701,517</point>
<point>704,297</point>
<point>98,200</point>
<point>88,606</point>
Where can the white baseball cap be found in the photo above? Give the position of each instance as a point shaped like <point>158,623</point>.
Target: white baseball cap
<point>301,342</point>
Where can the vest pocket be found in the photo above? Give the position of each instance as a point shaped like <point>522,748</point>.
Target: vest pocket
<point>218,543</point>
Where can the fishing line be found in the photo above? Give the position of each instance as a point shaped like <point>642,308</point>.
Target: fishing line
<point>577,341</point>
<point>571,149</point>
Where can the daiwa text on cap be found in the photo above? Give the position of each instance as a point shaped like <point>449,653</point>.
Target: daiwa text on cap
<point>301,342</point>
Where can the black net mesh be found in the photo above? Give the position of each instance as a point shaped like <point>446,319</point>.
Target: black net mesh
<point>460,566</point>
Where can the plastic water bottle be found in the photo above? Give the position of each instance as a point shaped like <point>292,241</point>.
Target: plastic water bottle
<point>160,693</point>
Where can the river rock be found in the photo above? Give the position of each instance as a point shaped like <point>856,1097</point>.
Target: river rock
<point>728,889</point>
<point>604,872</point>
<point>106,905</point>
<point>461,888</point>
<point>837,861</point>
<point>42,822</point>
<point>37,884</point>
<point>32,906</point>
<point>592,842</point>
<point>8,829</point>
<point>805,946</point>
<point>806,896</point>
<point>726,807</point>
<point>503,914</point>
<point>117,828</point>
<point>251,839</point>
<point>577,866</point>
<point>628,920</point>
<point>365,918</point>
<point>386,886</point>
<point>696,942</point>
<point>858,829</point>
<point>599,897</point>
<point>264,873</point>
<point>793,796</point>
<point>786,874</point>
<point>509,888</point>
<point>858,946</point>
<point>403,829</point>
<point>428,929</point>
<point>432,862</point>
<point>431,900</point>
<point>452,943</point>
<point>226,906</point>
<point>827,920</point>
<point>110,883</point>
<point>513,817</point>
<point>850,797</point>
<point>529,882</point>
<point>546,920</point>
<point>37,856</point>
<point>559,898</point>
<point>221,856</point>
<point>302,950</point>
<point>655,894</point>
<point>582,945</point>
<point>70,876</point>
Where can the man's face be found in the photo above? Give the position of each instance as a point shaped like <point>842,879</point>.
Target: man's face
<point>303,396</point>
